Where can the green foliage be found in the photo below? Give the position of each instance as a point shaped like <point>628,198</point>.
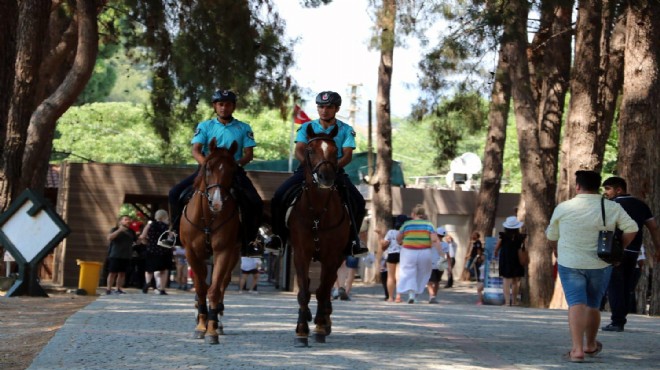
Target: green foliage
<point>121,133</point>
<point>198,46</point>
<point>462,115</point>
<point>100,84</point>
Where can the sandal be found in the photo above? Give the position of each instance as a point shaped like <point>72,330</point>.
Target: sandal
<point>567,357</point>
<point>594,353</point>
<point>397,300</point>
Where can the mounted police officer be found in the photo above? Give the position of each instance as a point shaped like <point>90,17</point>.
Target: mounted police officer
<point>328,104</point>
<point>225,129</point>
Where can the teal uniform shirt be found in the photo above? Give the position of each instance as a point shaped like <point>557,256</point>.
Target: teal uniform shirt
<point>345,136</point>
<point>237,131</point>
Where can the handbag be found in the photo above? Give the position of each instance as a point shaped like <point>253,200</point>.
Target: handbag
<point>523,256</point>
<point>609,248</point>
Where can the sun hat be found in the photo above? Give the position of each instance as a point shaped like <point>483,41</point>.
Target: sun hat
<point>512,223</point>
<point>441,231</point>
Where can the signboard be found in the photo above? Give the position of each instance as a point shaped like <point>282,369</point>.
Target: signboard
<point>29,230</point>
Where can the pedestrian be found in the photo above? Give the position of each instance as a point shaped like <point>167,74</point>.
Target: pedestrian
<point>181,276</point>
<point>451,249</point>
<point>471,260</point>
<point>383,274</point>
<point>623,280</point>
<point>327,104</point>
<point>510,268</point>
<point>438,259</point>
<point>416,238</point>
<point>249,268</point>
<point>345,278</point>
<point>480,279</point>
<point>225,129</point>
<point>393,249</point>
<point>121,240</point>
<point>572,234</point>
<point>158,257</point>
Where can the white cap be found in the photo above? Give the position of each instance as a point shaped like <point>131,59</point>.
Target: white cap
<point>441,231</point>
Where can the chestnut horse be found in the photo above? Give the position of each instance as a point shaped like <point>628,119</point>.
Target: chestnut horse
<point>210,229</point>
<point>319,229</point>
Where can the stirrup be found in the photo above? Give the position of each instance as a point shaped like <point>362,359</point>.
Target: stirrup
<point>273,245</point>
<point>359,250</point>
<point>165,241</point>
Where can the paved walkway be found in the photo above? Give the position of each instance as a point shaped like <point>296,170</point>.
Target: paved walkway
<point>146,331</point>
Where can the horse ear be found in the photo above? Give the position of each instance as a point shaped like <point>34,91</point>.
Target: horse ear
<point>310,132</point>
<point>213,145</point>
<point>334,131</point>
<point>233,148</point>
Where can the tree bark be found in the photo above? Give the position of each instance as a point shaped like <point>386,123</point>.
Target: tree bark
<point>491,178</point>
<point>382,191</point>
<point>534,184</point>
<point>639,121</point>
<point>43,120</point>
<point>584,108</point>
<point>7,60</point>
<point>31,29</point>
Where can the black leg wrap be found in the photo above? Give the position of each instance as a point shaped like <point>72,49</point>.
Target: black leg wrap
<point>213,314</point>
<point>221,308</point>
<point>202,310</point>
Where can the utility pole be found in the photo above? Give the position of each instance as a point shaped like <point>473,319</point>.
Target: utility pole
<point>352,109</point>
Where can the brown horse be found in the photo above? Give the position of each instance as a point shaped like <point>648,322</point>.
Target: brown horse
<point>319,228</point>
<point>210,229</point>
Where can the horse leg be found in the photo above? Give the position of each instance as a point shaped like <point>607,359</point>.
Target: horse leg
<point>199,281</point>
<point>324,303</point>
<point>304,314</point>
<point>214,326</point>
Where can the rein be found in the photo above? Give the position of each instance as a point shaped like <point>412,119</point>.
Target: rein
<point>206,227</point>
<point>315,169</point>
<point>318,215</point>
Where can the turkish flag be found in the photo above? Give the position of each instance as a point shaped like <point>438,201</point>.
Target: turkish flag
<point>299,117</point>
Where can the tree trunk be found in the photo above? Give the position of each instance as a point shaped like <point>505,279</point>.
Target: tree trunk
<point>639,121</point>
<point>491,178</point>
<point>43,120</point>
<point>382,192</point>
<point>534,184</point>
<point>32,25</point>
<point>583,146</point>
<point>7,61</point>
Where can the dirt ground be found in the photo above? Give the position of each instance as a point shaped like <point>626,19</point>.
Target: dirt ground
<point>28,323</point>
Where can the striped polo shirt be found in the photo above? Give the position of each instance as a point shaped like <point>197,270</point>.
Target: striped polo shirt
<point>417,234</point>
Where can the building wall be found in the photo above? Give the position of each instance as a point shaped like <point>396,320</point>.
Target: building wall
<point>90,198</point>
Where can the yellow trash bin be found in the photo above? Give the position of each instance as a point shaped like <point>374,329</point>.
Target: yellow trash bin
<point>89,276</point>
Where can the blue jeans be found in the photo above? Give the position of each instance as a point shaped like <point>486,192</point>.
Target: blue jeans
<point>584,286</point>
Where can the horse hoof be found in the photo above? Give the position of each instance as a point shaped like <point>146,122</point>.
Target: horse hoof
<point>319,338</point>
<point>198,334</point>
<point>301,342</point>
<point>212,339</point>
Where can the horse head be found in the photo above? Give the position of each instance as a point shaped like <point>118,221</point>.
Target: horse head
<point>218,174</point>
<point>321,157</point>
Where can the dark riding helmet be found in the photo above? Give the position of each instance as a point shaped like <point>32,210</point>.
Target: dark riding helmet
<point>223,95</point>
<point>328,98</point>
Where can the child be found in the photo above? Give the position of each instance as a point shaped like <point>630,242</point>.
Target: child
<point>249,266</point>
<point>480,281</point>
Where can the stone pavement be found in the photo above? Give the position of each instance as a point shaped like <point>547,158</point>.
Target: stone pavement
<point>147,331</point>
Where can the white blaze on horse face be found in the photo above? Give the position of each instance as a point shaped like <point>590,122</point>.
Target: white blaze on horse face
<point>216,197</point>
<point>324,147</point>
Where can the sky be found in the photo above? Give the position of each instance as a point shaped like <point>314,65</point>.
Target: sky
<point>332,52</point>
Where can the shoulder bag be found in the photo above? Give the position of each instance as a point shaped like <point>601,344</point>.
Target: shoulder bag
<point>609,249</point>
